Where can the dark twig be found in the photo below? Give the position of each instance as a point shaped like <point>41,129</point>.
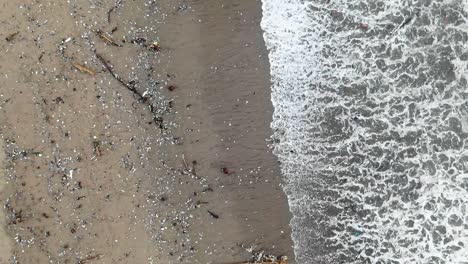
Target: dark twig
<point>117,4</point>
<point>213,214</point>
<point>158,120</point>
<point>40,57</point>
<point>109,13</point>
<point>125,84</point>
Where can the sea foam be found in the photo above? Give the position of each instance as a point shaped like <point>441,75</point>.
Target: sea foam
<point>370,126</point>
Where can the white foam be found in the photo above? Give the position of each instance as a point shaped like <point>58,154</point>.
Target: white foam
<point>370,124</point>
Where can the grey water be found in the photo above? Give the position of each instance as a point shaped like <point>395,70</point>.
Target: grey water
<point>371,126</point>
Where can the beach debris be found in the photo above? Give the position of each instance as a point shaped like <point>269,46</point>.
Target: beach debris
<point>15,217</point>
<point>127,162</point>
<point>40,57</point>
<point>131,86</point>
<point>207,189</point>
<point>155,46</point>
<point>282,260</point>
<point>144,42</point>
<point>127,85</point>
<point>182,7</point>
<point>215,216</point>
<point>186,167</point>
<point>227,171</point>
<point>177,140</point>
<point>83,68</point>
<point>59,100</point>
<point>97,148</point>
<point>194,163</point>
<point>201,202</point>
<point>163,197</point>
<point>109,13</point>
<point>112,9</point>
<point>171,87</point>
<point>260,257</point>
<point>5,102</point>
<point>90,258</point>
<point>139,41</point>
<point>106,38</point>
<point>11,36</point>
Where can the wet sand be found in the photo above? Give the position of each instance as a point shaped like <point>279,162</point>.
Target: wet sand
<point>95,175</point>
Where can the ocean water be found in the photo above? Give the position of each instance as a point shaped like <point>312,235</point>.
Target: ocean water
<point>370,126</point>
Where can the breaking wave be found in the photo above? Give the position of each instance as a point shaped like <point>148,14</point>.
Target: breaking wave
<point>370,126</point>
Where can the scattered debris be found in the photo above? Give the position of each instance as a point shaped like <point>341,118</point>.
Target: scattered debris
<point>107,38</point>
<point>90,258</point>
<point>15,217</point>
<point>83,68</point>
<point>207,189</point>
<point>158,120</point>
<point>194,163</point>
<point>163,198</point>
<point>40,57</point>
<point>213,214</point>
<point>260,257</point>
<point>269,261</point>
<point>97,148</point>
<point>129,87</point>
<point>143,42</point>
<point>5,102</point>
<point>59,100</point>
<point>139,41</point>
<point>155,46</point>
<point>62,174</point>
<point>109,69</point>
<point>186,168</point>
<point>112,9</point>
<point>227,171</point>
<point>11,36</point>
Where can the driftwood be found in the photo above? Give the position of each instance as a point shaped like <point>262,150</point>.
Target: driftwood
<point>83,68</point>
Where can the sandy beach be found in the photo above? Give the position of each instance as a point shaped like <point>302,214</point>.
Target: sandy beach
<point>137,132</point>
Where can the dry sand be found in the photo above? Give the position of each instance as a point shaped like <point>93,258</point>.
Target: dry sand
<point>96,174</point>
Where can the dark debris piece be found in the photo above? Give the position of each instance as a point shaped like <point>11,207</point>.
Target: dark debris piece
<point>215,216</point>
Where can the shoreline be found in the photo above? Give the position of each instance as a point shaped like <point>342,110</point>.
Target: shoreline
<point>228,122</point>
<point>91,175</point>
